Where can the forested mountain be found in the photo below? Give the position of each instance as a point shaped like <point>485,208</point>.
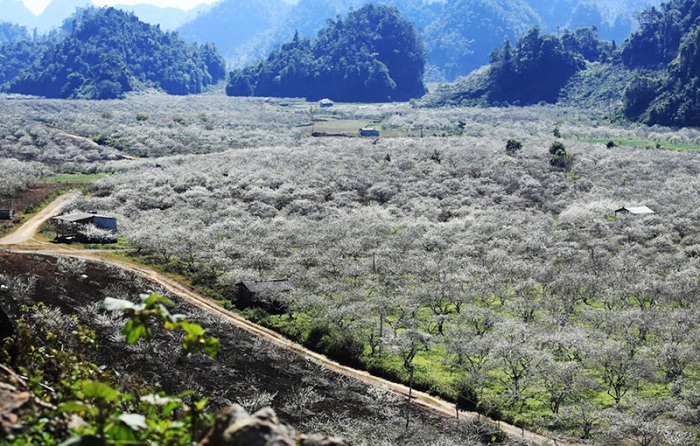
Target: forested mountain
<point>109,52</point>
<point>460,39</point>
<point>654,74</point>
<point>668,41</point>
<point>534,70</point>
<point>372,55</point>
<point>459,35</point>
<point>248,31</point>
<point>15,57</point>
<point>17,51</point>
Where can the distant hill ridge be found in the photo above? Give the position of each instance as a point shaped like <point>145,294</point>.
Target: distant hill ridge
<point>107,52</point>
<point>654,75</point>
<point>459,34</point>
<point>371,55</point>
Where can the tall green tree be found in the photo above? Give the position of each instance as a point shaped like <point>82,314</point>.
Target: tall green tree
<point>534,71</point>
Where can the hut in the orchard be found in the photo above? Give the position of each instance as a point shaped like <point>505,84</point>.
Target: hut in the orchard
<point>77,226</point>
<point>634,210</point>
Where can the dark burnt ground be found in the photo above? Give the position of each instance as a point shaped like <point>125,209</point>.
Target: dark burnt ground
<point>248,370</point>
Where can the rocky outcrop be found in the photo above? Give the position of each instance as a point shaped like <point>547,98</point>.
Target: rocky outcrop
<point>236,427</point>
<point>13,404</point>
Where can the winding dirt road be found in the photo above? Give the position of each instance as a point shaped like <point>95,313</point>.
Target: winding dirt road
<point>22,241</point>
<point>28,230</point>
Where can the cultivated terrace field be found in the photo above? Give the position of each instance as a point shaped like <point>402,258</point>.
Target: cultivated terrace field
<point>502,280</point>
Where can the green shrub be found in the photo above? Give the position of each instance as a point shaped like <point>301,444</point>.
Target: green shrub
<point>103,140</point>
<point>338,344</point>
<point>560,157</point>
<point>513,146</point>
<point>467,396</point>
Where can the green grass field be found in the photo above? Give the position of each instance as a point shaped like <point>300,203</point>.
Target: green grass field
<point>76,179</point>
<point>644,143</point>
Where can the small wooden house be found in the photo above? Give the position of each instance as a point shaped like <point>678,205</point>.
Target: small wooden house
<point>264,293</point>
<point>70,226</point>
<point>7,214</point>
<point>367,131</point>
<point>634,210</point>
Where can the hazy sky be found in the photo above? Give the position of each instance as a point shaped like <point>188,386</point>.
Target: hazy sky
<point>37,6</point>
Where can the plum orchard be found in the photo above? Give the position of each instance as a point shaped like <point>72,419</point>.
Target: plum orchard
<point>472,266</point>
<point>497,276</point>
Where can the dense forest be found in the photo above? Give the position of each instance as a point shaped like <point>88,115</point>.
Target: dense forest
<point>372,55</point>
<point>17,52</point>
<point>106,53</point>
<point>468,30</point>
<point>458,35</point>
<point>535,70</point>
<point>654,73</point>
<point>667,47</point>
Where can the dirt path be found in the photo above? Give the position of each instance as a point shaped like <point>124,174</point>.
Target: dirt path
<point>422,399</point>
<point>94,145</point>
<point>27,231</point>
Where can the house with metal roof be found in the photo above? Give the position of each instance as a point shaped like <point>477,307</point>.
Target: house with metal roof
<point>635,210</point>
<point>73,225</point>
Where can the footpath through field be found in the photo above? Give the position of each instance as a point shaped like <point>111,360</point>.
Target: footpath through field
<point>17,242</point>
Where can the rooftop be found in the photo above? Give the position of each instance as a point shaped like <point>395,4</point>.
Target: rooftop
<point>79,216</point>
<point>635,210</point>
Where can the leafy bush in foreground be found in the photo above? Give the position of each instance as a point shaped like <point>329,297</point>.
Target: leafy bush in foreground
<point>53,350</point>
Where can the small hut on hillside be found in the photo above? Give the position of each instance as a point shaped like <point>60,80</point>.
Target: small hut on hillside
<point>7,214</point>
<point>634,210</point>
<point>326,103</point>
<point>263,293</point>
<point>74,226</point>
